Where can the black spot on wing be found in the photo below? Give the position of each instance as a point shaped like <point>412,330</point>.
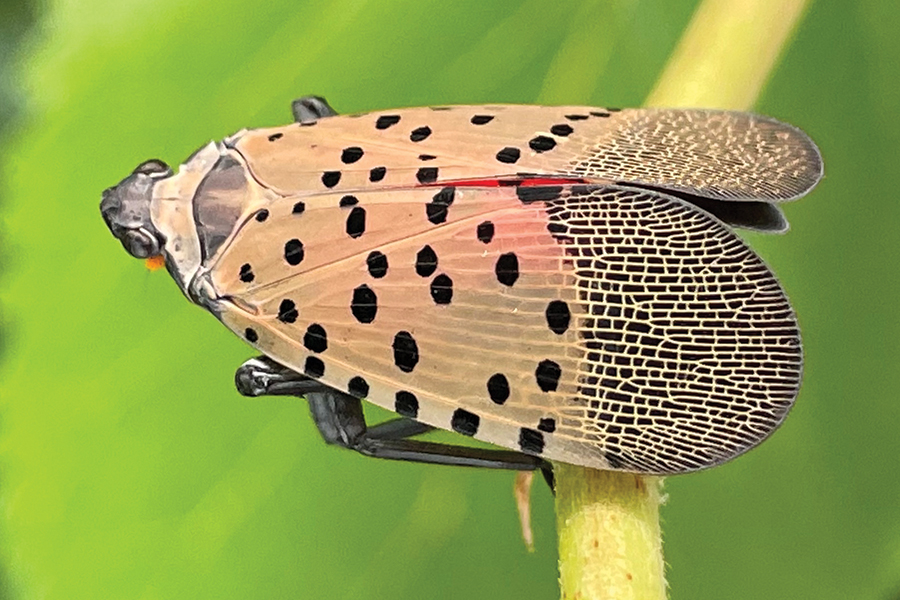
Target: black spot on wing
<point>507,269</point>
<point>406,404</point>
<point>356,222</point>
<point>315,339</point>
<point>427,174</point>
<point>331,178</point>
<point>464,422</point>
<point>509,155</point>
<point>293,252</point>
<point>364,304</point>
<point>419,134</point>
<point>385,121</point>
<point>377,263</point>
<point>558,316</point>
<point>547,375</point>
<point>498,388</point>
<point>426,261</point>
<point>485,232</point>
<point>313,367</point>
<point>287,311</point>
<point>406,351</point>
<point>531,441</point>
<point>377,174</point>
<point>547,425</point>
<point>442,289</point>
<point>542,143</point>
<point>436,210</point>
<point>351,155</point>
<point>359,387</point>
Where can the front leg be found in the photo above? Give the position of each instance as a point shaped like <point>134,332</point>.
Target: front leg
<point>310,109</point>
<point>340,420</point>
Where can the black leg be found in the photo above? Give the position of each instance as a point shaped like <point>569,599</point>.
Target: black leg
<point>397,429</point>
<point>340,420</point>
<point>309,109</point>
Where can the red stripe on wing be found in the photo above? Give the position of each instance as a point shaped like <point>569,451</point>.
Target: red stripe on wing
<point>522,181</point>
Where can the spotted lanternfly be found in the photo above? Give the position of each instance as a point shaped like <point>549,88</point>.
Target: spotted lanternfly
<point>560,281</point>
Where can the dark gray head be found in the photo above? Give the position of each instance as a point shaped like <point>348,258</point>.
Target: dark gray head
<point>126,209</point>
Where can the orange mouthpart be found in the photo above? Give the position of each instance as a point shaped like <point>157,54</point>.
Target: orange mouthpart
<point>155,263</point>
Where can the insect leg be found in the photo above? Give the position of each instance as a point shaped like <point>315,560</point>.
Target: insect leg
<point>340,420</point>
<point>396,429</point>
<point>309,109</point>
<point>389,440</point>
<point>262,376</point>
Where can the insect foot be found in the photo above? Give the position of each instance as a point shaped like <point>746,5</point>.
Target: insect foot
<point>261,376</point>
<point>309,109</point>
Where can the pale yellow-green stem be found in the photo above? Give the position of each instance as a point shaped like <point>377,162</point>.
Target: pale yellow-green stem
<point>727,53</point>
<point>610,545</point>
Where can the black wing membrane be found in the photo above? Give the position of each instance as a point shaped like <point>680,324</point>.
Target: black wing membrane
<point>691,351</point>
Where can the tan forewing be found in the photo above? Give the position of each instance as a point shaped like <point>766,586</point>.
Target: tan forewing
<point>680,352</point>
<point>714,154</point>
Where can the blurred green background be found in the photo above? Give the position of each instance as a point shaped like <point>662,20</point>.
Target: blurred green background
<point>129,466</point>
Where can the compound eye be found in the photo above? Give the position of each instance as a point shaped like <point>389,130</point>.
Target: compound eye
<point>140,244</point>
<point>153,167</point>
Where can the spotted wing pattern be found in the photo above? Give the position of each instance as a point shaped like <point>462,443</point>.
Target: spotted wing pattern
<point>713,154</point>
<point>600,325</point>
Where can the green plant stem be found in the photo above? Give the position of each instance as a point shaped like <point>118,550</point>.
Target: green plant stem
<point>610,545</point>
<point>726,54</point>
